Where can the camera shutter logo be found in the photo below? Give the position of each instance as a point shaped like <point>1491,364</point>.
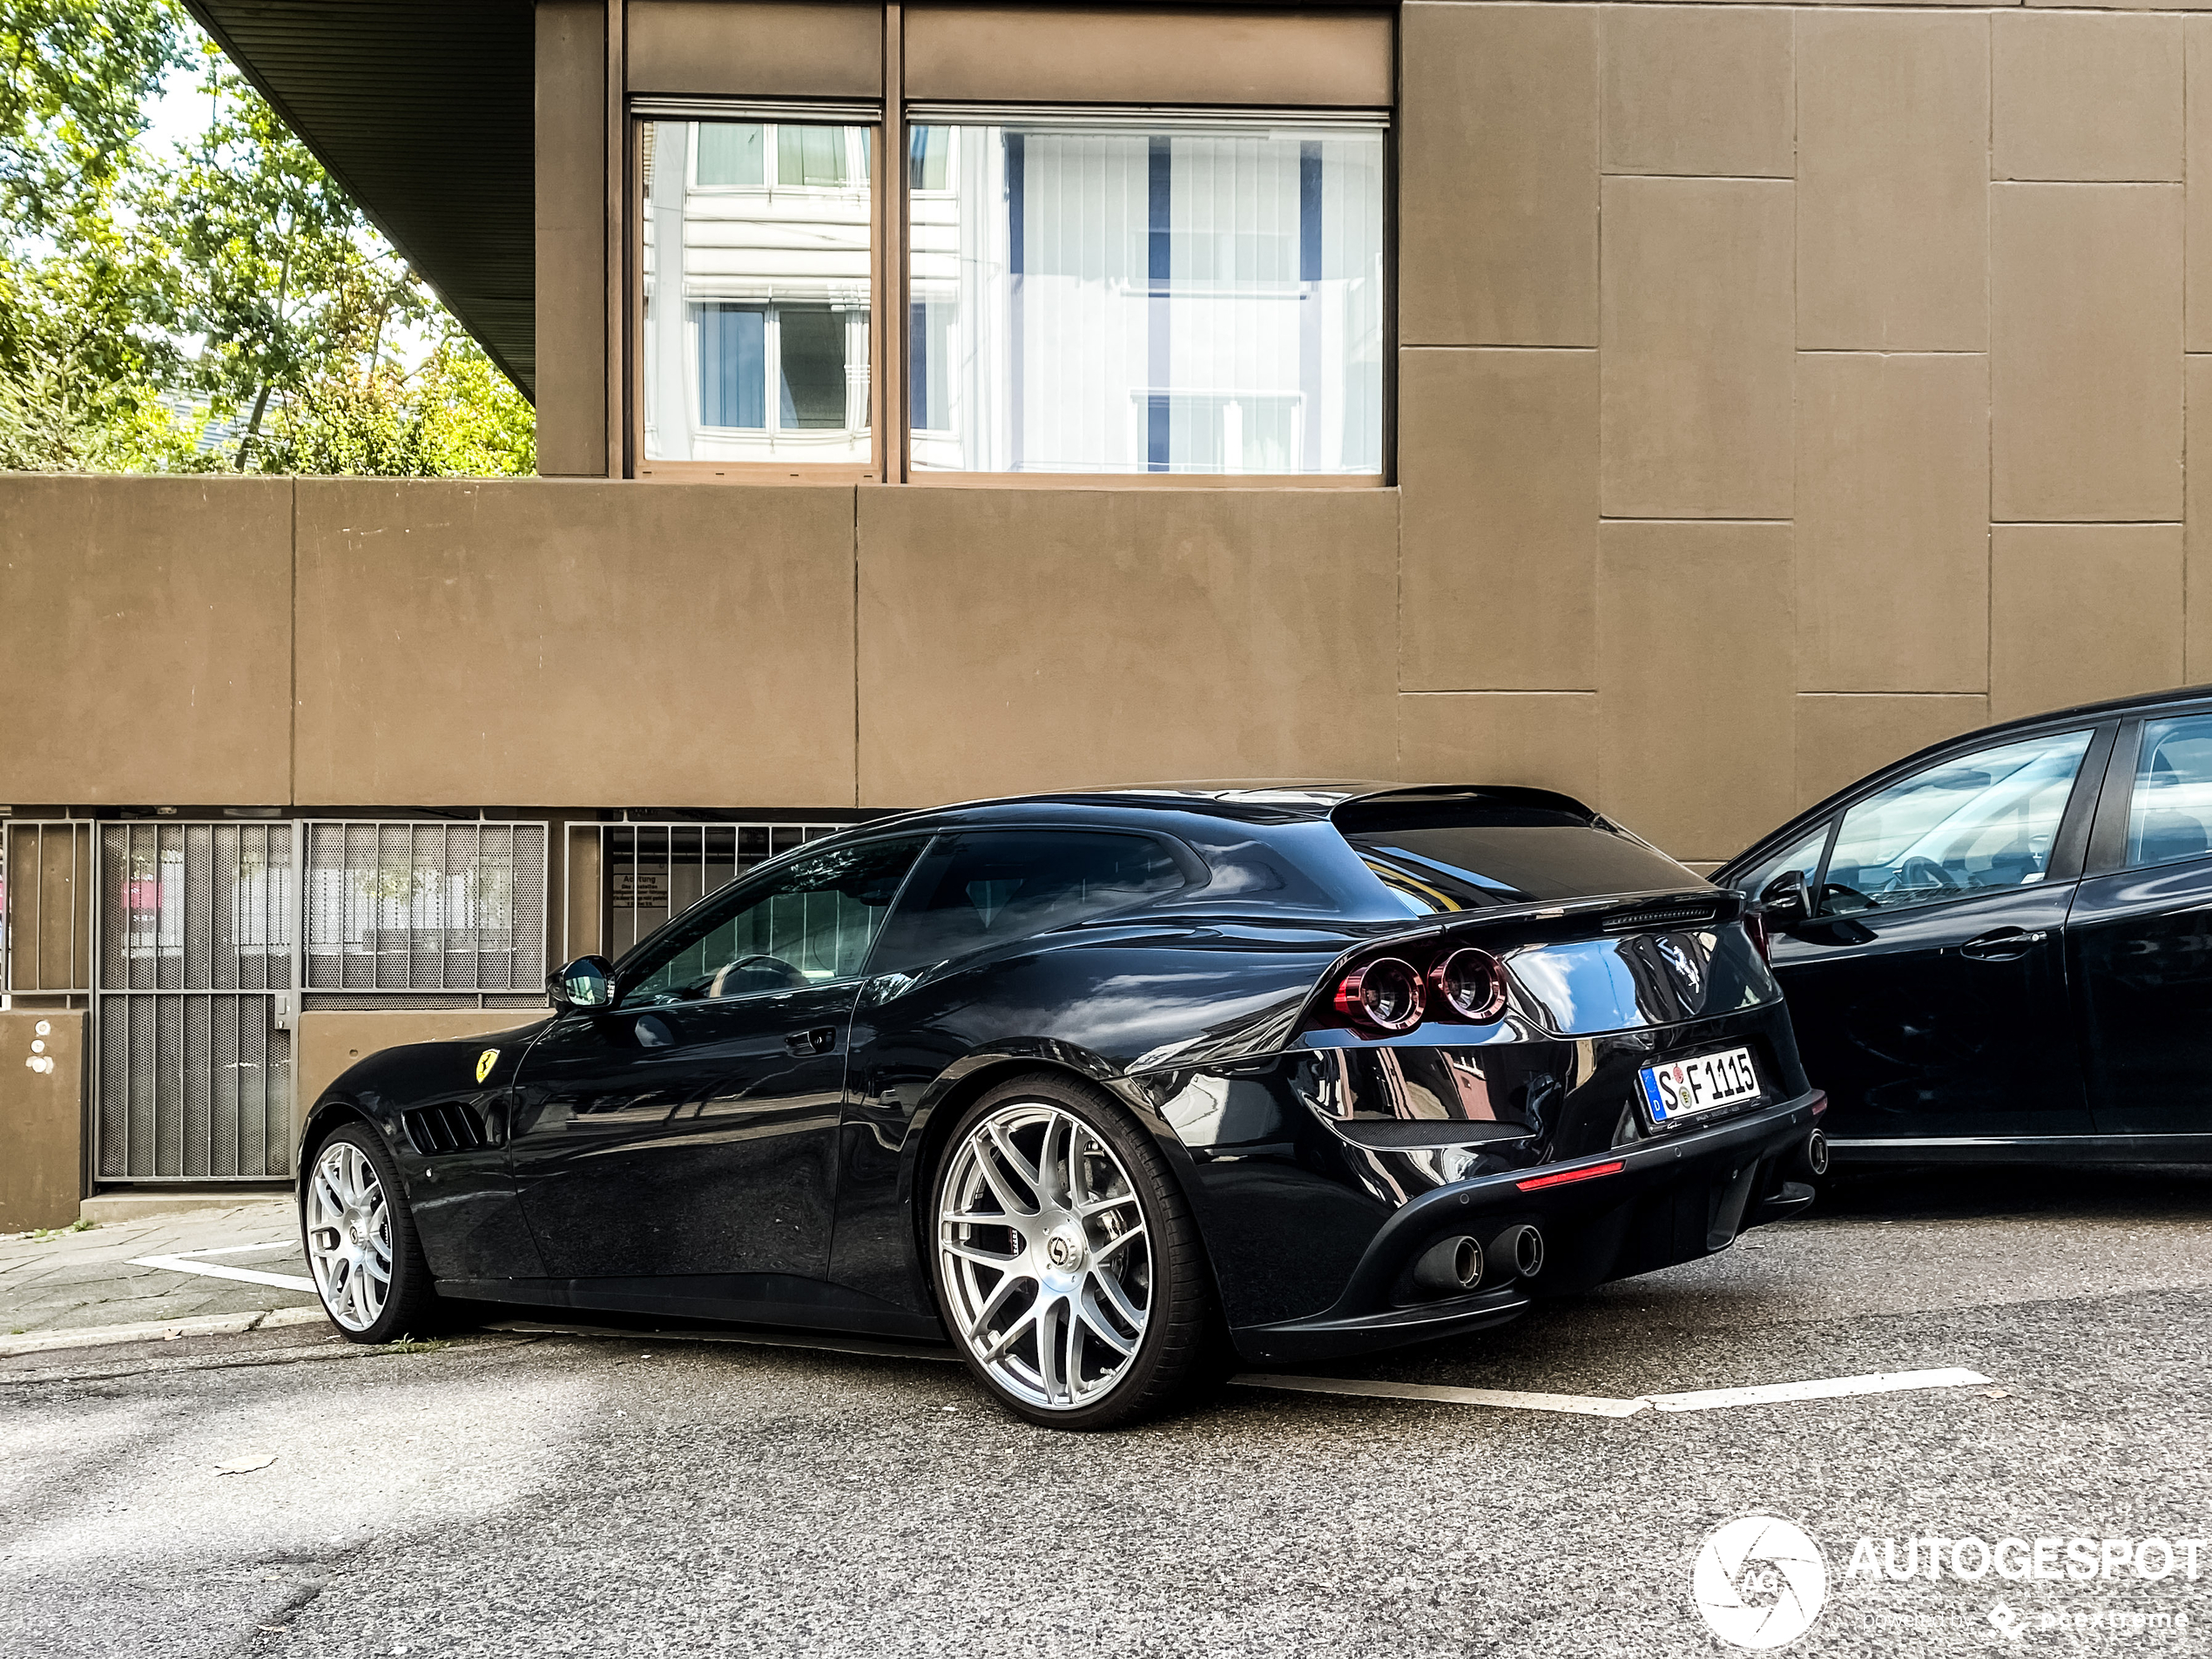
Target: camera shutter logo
<point>1759,1581</point>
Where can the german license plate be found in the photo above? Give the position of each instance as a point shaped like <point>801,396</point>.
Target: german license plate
<point>1680,1088</point>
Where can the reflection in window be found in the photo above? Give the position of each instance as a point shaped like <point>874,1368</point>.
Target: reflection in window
<point>755,343</point>
<point>1804,858</point>
<point>2169,816</point>
<point>1967,824</point>
<point>1114,300</point>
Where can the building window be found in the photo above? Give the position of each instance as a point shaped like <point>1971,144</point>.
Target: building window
<point>756,274</point>
<point>1199,298</point>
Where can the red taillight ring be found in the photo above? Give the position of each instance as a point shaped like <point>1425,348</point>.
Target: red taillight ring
<point>1360,991</point>
<point>1472,963</point>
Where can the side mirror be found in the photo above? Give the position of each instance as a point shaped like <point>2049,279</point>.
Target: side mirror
<point>585,983</point>
<point>1786,901</point>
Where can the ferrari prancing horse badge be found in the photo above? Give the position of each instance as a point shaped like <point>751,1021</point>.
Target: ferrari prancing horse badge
<point>485,1061</point>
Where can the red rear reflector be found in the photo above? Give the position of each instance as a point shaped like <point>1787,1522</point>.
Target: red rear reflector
<point>1820,1102</point>
<point>1589,1172</point>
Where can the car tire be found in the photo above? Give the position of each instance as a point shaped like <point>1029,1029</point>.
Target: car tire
<point>355,1225</point>
<point>1068,1268</point>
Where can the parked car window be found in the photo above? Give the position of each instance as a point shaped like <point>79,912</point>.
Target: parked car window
<point>1966,824</point>
<point>999,885</point>
<point>1804,858</point>
<point>1440,856</point>
<point>2169,816</point>
<point>808,923</point>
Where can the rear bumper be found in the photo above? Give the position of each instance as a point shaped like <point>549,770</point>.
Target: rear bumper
<point>1632,1210</point>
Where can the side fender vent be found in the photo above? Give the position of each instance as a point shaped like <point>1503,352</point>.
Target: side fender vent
<point>1662,918</point>
<point>449,1127</point>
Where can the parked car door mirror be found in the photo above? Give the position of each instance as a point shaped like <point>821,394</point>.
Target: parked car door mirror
<point>585,983</point>
<point>1786,902</point>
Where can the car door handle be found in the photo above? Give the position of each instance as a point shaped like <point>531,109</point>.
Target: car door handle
<point>2002,944</point>
<point>820,1040</point>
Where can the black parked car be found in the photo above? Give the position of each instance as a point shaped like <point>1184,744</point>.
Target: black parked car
<point>1080,1083</point>
<point>2001,947</point>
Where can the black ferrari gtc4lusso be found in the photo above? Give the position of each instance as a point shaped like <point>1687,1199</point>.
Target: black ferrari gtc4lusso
<point>1090,1085</point>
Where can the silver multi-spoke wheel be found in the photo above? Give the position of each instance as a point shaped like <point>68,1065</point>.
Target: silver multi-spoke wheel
<point>349,1235</point>
<point>1044,1255</point>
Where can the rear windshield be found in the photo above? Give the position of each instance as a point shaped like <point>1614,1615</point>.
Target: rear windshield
<point>1445,856</point>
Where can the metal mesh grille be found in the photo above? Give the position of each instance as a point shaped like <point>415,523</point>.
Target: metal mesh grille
<point>194,1086</point>
<point>397,907</point>
<point>195,907</point>
<point>651,871</point>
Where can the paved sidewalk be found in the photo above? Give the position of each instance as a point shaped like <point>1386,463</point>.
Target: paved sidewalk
<point>72,1280</point>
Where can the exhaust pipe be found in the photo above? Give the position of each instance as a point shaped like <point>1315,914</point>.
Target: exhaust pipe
<point>1449,1267</point>
<point>1812,1156</point>
<point>1516,1252</point>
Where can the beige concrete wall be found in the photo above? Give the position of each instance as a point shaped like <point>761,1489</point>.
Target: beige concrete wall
<point>1783,389</point>
<point>42,1119</point>
<point>331,1042</point>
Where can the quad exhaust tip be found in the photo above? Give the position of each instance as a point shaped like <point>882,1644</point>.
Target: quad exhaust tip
<point>1518,1251</point>
<point>1449,1265</point>
<point>1815,1157</point>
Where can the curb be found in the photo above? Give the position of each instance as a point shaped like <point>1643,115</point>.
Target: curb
<point>205,1324</point>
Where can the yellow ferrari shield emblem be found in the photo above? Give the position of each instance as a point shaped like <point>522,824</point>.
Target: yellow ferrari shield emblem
<point>485,1061</point>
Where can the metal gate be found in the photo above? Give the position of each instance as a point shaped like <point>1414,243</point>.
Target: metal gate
<point>197,943</point>
<point>627,879</point>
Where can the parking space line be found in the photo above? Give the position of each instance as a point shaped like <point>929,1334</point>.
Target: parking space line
<point>1506,1399</point>
<point>1887,1382</point>
<point>1880,1382</point>
<point>216,1270</point>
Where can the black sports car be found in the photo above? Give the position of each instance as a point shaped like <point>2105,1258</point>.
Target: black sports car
<point>1084,1083</point>
<point>2000,947</point>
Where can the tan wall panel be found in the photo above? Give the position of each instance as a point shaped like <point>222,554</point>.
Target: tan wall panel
<point>1497,181</point>
<point>1022,639</point>
<point>1892,522</point>
<point>634,644</point>
<point>1840,739</point>
<point>331,1041</point>
<point>2082,611</point>
<point>2086,95</point>
<point>2197,665</point>
<point>2198,100</point>
<point>1150,55</point>
<point>147,623</point>
<point>1699,90</point>
<point>2086,354</point>
<point>1497,461</point>
<point>1694,678</point>
<point>571,277</point>
<point>1892,181</point>
<point>1697,363</point>
<point>765,49</point>
<point>42,1120</point>
<point>1543,740</point>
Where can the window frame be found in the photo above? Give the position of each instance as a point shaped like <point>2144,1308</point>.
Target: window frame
<point>626,977</point>
<point>2069,843</point>
<point>628,364</point>
<point>890,229</point>
<point>2108,850</point>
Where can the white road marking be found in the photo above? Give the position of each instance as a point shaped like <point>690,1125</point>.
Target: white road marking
<point>1880,1382</point>
<point>1506,1398</point>
<point>1706,1400</point>
<point>216,1270</point>
<point>239,1249</point>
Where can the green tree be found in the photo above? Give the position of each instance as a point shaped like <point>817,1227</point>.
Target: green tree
<point>75,76</point>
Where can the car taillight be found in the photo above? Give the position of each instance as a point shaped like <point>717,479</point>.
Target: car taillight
<point>1384,995</point>
<point>1471,984</point>
<point>1755,925</point>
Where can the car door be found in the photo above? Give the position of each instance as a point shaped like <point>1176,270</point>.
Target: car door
<point>689,1131</point>
<point>2139,937</point>
<point>1928,992</point>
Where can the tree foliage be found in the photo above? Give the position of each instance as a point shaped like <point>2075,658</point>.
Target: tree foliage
<point>222,305</point>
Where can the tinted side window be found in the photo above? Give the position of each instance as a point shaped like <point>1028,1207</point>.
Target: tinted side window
<point>1973,822</point>
<point>809,923</point>
<point>2170,815</point>
<point>1804,858</point>
<point>992,886</point>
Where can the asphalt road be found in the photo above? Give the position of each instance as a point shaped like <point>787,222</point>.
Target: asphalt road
<point>508,1494</point>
